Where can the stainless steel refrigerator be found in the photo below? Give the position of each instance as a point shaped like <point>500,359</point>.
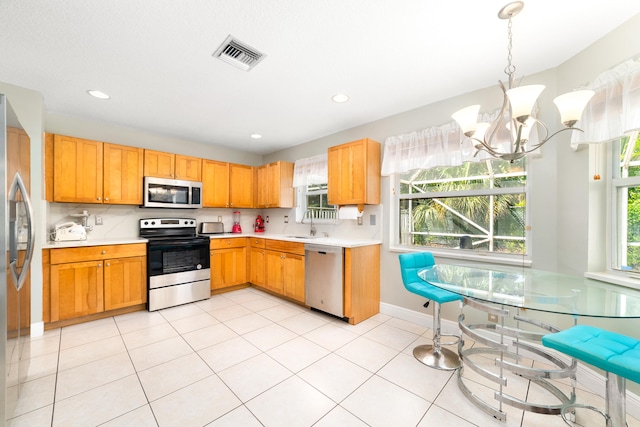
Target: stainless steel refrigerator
<point>16,242</point>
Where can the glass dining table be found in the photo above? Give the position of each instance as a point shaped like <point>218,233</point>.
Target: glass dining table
<point>510,333</point>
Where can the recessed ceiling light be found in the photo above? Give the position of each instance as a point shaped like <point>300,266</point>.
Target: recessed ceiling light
<point>340,97</point>
<point>98,94</point>
<point>256,136</point>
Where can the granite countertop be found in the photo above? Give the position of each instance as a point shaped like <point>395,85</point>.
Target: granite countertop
<point>318,240</point>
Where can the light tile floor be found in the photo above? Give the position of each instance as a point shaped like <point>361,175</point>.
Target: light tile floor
<point>244,358</point>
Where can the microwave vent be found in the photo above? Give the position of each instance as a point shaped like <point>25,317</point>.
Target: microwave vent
<point>238,54</point>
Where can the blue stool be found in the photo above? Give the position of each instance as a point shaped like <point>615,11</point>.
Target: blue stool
<point>618,355</point>
<point>431,355</point>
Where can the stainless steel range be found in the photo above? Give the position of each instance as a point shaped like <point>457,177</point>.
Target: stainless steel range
<point>177,262</point>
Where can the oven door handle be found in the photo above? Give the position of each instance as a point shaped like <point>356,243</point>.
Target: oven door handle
<point>175,243</point>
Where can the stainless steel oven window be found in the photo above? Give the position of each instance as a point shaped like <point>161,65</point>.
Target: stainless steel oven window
<point>169,258</point>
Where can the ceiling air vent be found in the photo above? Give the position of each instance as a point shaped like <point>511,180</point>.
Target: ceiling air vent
<point>238,54</point>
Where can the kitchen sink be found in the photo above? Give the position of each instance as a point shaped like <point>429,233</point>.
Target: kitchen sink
<point>302,237</point>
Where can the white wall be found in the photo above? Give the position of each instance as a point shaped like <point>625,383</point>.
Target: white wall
<point>559,178</point>
<point>107,132</point>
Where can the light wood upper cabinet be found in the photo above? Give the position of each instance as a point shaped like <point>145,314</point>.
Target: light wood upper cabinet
<point>172,166</point>
<point>188,168</point>
<point>159,164</point>
<point>241,179</point>
<point>122,176</point>
<point>84,171</point>
<point>354,173</point>
<point>77,170</point>
<point>215,184</point>
<point>275,185</point>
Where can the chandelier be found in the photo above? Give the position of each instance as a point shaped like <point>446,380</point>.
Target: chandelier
<point>516,119</point>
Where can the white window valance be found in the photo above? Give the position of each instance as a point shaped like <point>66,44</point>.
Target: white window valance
<point>614,109</point>
<point>436,146</point>
<point>310,170</point>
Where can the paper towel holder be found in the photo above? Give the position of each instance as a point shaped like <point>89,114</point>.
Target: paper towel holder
<point>360,207</point>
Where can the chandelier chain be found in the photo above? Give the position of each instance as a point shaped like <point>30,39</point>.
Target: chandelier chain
<point>510,68</point>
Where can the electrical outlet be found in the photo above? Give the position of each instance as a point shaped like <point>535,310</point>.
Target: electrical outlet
<point>267,219</point>
<point>359,220</point>
<point>219,218</point>
<point>286,219</point>
<point>98,220</point>
<point>492,318</point>
<point>372,220</point>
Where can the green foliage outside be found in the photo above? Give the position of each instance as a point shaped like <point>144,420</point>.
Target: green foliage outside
<point>631,168</point>
<point>441,221</point>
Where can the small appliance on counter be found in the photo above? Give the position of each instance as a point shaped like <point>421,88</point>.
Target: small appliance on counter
<point>68,231</point>
<point>259,225</point>
<point>211,228</point>
<point>236,223</point>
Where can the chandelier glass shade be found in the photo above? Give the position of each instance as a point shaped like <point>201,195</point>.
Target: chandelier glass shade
<point>516,120</point>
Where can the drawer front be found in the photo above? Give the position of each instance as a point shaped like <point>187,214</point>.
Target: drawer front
<point>228,243</point>
<point>91,253</point>
<point>255,242</point>
<point>285,246</point>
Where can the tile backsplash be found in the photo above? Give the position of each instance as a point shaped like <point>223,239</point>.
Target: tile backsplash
<point>121,221</point>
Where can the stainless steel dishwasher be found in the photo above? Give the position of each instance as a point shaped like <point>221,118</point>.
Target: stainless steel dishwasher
<point>323,281</point>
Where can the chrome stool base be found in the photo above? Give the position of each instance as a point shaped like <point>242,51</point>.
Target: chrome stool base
<point>569,417</point>
<point>443,359</point>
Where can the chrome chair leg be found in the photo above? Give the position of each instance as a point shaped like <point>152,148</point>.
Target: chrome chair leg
<point>435,355</point>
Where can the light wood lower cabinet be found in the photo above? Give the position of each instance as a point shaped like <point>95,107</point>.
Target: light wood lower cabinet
<point>284,268</point>
<point>77,289</point>
<point>228,262</point>
<point>361,282</point>
<point>293,277</point>
<point>125,282</point>
<point>257,261</point>
<point>90,280</point>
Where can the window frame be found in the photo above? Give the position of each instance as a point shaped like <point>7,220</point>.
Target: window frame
<point>615,223</point>
<point>525,259</point>
<point>302,193</point>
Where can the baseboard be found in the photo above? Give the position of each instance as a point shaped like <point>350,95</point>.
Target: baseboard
<point>586,377</point>
<point>37,329</point>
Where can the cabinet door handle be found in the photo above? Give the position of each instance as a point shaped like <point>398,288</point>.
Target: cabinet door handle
<point>103,252</point>
<point>106,199</point>
<point>99,198</point>
<point>108,264</point>
<point>99,265</point>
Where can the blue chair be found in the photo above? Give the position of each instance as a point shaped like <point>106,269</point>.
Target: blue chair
<point>431,355</point>
<point>618,355</point>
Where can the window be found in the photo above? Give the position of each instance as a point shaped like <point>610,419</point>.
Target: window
<point>479,206</point>
<point>312,203</point>
<point>625,187</point>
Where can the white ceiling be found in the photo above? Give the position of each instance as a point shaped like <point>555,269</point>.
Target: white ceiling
<point>155,59</point>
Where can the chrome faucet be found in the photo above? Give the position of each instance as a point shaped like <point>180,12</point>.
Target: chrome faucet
<point>312,230</point>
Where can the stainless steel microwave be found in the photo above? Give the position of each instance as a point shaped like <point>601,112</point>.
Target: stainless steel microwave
<point>171,193</point>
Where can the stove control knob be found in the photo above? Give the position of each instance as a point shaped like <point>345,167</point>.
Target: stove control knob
<point>153,223</point>
<point>146,223</point>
